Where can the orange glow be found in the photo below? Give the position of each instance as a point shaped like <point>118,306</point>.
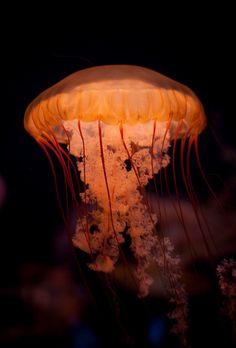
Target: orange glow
<point>118,122</point>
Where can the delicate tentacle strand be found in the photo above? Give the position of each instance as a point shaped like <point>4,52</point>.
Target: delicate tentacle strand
<point>152,168</point>
<point>180,213</point>
<point>55,147</point>
<point>191,196</point>
<point>68,172</point>
<point>43,144</point>
<point>61,152</point>
<point>160,172</point>
<point>203,174</point>
<point>189,179</point>
<point>85,193</point>
<point>165,220</point>
<point>106,180</point>
<point>67,166</point>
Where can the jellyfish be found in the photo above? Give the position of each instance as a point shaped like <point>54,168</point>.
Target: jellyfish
<point>118,122</point>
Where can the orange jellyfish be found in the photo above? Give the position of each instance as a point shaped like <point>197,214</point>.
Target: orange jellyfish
<point>118,121</point>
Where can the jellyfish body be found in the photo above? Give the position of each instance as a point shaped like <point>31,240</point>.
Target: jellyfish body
<point>118,122</point>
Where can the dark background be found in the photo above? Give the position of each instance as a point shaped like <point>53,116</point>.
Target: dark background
<point>41,47</point>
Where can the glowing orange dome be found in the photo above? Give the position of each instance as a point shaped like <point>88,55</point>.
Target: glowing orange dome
<point>114,94</point>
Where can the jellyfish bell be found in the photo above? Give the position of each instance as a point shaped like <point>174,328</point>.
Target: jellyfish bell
<point>114,94</point>
<point>118,122</point>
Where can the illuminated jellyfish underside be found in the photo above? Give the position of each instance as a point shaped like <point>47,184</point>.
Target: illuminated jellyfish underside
<point>114,196</point>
